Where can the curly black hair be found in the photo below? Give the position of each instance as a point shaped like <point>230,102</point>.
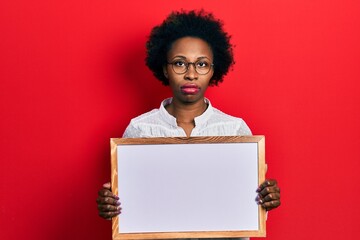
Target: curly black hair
<point>189,24</point>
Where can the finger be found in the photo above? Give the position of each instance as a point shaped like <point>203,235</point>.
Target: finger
<point>107,193</point>
<point>259,199</point>
<point>267,183</point>
<point>268,197</point>
<point>271,205</point>
<point>268,190</point>
<point>271,197</point>
<point>107,185</point>
<point>109,215</point>
<point>108,201</point>
<point>108,208</point>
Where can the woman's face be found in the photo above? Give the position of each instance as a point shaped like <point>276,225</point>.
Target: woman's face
<point>190,86</point>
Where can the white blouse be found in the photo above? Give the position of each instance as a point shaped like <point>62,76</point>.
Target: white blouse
<point>159,123</point>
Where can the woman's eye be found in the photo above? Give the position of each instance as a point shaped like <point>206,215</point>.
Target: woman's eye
<point>179,63</point>
<point>202,64</point>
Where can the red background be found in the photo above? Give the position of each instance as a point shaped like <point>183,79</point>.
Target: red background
<point>73,75</point>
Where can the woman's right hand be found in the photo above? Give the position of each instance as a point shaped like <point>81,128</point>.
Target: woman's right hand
<point>108,203</point>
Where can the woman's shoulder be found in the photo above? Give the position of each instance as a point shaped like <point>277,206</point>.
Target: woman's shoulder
<point>228,124</point>
<point>220,115</point>
<point>146,117</point>
<point>136,125</point>
<point>149,124</point>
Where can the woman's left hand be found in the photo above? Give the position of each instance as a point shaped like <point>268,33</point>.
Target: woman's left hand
<point>268,194</point>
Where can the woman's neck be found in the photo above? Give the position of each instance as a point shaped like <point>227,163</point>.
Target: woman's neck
<point>186,113</point>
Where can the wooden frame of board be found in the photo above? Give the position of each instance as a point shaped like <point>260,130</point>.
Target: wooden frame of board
<point>140,165</point>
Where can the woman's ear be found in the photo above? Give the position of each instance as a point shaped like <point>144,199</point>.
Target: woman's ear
<point>165,71</point>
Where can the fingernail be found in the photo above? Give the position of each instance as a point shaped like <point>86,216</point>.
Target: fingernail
<point>118,208</point>
<point>258,190</point>
<point>118,202</point>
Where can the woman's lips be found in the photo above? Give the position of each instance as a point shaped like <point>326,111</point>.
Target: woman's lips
<point>190,89</point>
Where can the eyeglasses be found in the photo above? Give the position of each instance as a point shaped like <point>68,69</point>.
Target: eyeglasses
<point>201,66</point>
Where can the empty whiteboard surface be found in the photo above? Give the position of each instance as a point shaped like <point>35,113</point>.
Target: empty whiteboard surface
<point>188,187</point>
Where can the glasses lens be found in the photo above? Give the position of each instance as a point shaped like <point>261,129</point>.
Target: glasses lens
<point>202,66</point>
<point>179,66</point>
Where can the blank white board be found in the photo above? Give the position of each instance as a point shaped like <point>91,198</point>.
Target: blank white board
<point>187,186</point>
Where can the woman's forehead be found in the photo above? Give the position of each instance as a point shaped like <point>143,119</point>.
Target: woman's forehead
<point>190,48</point>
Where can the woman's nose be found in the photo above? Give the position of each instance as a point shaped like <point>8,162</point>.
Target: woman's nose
<point>191,73</point>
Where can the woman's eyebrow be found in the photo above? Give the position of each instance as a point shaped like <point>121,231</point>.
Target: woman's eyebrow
<point>183,57</point>
<point>179,56</point>
<point>203,57</point>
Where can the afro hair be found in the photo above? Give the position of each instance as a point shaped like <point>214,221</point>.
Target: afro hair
<point>197,24</point>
